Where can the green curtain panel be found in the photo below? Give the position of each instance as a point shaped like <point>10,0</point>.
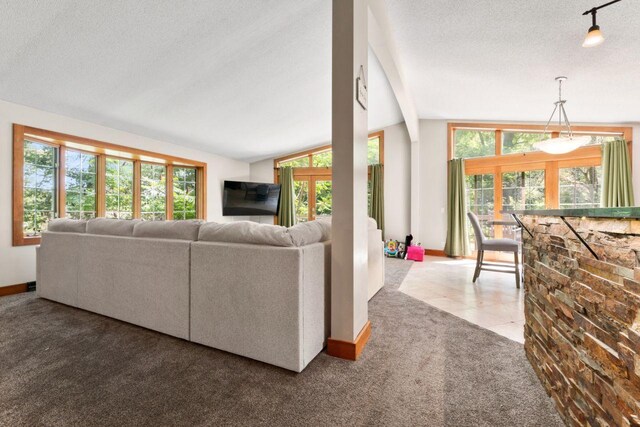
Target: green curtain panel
<point>457,239</point>
<point>376,207</point>
<point>287,214</point>
<point>617,188</point>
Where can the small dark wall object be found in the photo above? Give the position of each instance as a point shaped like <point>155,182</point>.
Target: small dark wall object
<point>407,243</point>
<point>31,286</point>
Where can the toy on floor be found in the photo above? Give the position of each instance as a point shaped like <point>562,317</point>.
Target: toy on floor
<point>391,248</point>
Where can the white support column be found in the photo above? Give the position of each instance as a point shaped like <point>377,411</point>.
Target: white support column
<point>415,191</point>
<point>349,315</point>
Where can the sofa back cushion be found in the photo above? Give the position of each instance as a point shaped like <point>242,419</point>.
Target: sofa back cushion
<point>66,225</point>
<point>310,232</point>
<point>246,232</point>
<point>111,227</point>
<point>177,230</point>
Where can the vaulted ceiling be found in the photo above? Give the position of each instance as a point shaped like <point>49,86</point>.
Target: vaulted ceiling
<point>250,79</point>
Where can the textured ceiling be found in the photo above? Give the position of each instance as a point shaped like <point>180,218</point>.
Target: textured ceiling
<point>250,79</point>
<point>496,60</point>
<point>245,79</point>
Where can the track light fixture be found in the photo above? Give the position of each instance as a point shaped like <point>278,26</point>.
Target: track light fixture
<point>594,35</point>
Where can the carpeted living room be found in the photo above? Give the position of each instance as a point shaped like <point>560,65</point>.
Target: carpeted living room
<point>319,212</point>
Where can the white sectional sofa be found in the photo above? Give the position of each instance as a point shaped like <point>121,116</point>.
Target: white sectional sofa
<point>256,290</point>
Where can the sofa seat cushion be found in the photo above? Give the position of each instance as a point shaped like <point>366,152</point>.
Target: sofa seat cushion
<point>176,230</point>
<point>307,233</point>
<point>246,232</point>
<point>66,225</point>
<point>111,227</point>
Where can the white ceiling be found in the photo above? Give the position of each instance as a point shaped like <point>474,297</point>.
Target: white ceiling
<point>497,59</point>
<point>244,79</point>
<point>251,79</point>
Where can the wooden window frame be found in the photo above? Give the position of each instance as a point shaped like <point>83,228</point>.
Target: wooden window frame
<point>311,174</point>
<point>102,150</point>
<point>590,155</point>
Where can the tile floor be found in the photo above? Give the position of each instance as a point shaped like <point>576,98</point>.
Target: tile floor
<point>493,302</point>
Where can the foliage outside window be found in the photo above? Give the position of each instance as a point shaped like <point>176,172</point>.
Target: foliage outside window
<point>119,189</point>
<point>57,175</point>
<point>312,177</point>
<point>580,187</point>
<point>39,186</point>
<point>153,192</point>
<point>474,143</point>
<point>523,190</point>
<point>80,185</point>
<point>184,193</point>
<point>520,142</point>
<point>480,189</point>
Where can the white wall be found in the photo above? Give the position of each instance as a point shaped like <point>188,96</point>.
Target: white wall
<point>17,264</point>
<point>433,178</point>
<point>433,183</point>
<point>397,175</point>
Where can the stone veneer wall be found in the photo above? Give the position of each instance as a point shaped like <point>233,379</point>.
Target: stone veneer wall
<point>582,329</point>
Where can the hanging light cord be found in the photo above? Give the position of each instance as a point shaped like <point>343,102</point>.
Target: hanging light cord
<point>559,107</point>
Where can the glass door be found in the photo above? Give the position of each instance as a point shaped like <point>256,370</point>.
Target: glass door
<point>323,197</point>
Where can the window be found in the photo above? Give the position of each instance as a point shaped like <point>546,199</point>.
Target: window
<point>119,189</point>
<point>184,193</point>
<point>474,143</point>
<point>523,190</point>
<point>40,186</point>
<point>520,177</point>
<point>58,175</point>
<point>580,187</point>
<point>520,142</point>
<point>312,177</point>
<point>153,192</point>
<point>480,189</point>
<point>80,185</point>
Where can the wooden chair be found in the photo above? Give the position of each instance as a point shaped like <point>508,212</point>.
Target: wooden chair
<point>497,245</point>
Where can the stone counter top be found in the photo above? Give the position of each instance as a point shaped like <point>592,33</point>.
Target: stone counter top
<point>626,213</point>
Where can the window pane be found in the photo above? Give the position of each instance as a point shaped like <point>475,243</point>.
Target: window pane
<point>80,183</point>
<point>323,159</point>
<point>301,203</point>
<point>373,151</point>
<point>40,191</point>
<point>523,190</point>
<point>119,189</point>
<point>597,138</point>
<point>153,188</point>
<point>302,162</point>
<point>520,142</point>
<point>580,187</point>
<point>474,143</point>
<point>184,193</point>
<point>480,202</point>
<point>323,198</point>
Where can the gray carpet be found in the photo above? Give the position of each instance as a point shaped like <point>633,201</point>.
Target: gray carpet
<point>60,366</point>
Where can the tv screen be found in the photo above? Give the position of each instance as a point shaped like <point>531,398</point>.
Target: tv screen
<point>250,198</point>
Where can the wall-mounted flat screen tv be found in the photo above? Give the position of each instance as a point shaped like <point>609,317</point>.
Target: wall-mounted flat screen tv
<point>250,198</point>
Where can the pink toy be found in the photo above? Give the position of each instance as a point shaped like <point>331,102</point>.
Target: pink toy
<point>415,253</point>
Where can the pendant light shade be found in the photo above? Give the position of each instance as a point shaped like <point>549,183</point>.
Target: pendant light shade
<point>594,37</point>
<point>563,144</point>
<point>566,142</point>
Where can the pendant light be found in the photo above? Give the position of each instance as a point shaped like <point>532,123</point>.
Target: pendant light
<point>594,35</point>
<point>563,143</point>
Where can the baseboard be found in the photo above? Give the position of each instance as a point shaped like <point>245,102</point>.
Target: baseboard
<point>434,252</point>
<point>13,289</point>
<point>347,349</point>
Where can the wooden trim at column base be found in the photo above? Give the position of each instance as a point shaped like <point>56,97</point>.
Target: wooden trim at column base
<point>434,252</point>
<point>347,349</point>
<point>13,289</point>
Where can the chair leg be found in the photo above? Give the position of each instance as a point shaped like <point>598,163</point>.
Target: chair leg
<point>478,265</point>
<point>517,271</point>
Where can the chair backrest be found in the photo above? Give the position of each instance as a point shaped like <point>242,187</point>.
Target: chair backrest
<point>477,230</point>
